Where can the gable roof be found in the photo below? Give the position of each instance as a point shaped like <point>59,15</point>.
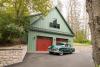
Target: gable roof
<point>37,17</point>
<point>64,20</point>
<point>44,30</point>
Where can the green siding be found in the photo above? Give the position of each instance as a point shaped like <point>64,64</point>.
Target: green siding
<point>44,22</point>
<point>32,40</point>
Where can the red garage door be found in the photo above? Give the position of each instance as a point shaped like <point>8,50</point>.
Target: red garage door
<point>43,43</point>
<point>61,40</point>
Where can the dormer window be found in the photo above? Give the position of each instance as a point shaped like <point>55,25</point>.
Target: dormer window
<point>54,24</point>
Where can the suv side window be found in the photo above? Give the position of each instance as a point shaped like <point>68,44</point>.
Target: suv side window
<point>60,44</point>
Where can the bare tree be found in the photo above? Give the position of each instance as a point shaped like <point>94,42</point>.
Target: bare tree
<point>73,16</point>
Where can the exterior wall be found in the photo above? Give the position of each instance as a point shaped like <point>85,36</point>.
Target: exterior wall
<point>33,37</point>
<point>44,22</point>
<point>12,54</point>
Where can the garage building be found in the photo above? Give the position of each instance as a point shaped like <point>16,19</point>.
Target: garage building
<point>48,30</point>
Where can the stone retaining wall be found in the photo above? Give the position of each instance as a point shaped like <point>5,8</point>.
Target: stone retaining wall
<point>11,55</point>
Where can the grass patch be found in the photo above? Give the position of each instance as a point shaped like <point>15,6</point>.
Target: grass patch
<point>82,44</point>
<point>88,42</point>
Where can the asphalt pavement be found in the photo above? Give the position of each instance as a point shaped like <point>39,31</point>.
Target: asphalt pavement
<point>81,58</point>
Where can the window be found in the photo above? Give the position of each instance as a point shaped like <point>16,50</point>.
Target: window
<point>54,24</point>
<point>59,44</point>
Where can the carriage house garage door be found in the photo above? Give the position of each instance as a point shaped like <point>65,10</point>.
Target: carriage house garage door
<point>61,40</point>
<point>43,43</point>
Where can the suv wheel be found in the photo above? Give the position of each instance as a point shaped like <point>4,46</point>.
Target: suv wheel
<point>70,52</point>
<point>61,53</point>
<point>50,52</point>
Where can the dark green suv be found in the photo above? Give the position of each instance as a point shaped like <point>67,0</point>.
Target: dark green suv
<point>61,48</point>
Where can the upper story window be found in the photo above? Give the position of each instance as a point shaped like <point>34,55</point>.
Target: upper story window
<point>54,24</point>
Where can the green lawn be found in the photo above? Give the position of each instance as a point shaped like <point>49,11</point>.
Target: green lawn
<point>81,44</point>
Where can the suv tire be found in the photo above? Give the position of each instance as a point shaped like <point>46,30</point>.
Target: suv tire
<point>61,53</point>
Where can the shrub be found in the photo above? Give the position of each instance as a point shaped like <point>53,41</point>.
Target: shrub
<point>10,30</point>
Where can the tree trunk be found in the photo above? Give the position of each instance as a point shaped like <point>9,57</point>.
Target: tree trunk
<point>93,9</point>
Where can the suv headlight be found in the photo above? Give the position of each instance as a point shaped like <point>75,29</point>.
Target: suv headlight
<point>49,47</point>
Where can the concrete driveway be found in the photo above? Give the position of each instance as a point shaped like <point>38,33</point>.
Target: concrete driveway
<point>81,58</point>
